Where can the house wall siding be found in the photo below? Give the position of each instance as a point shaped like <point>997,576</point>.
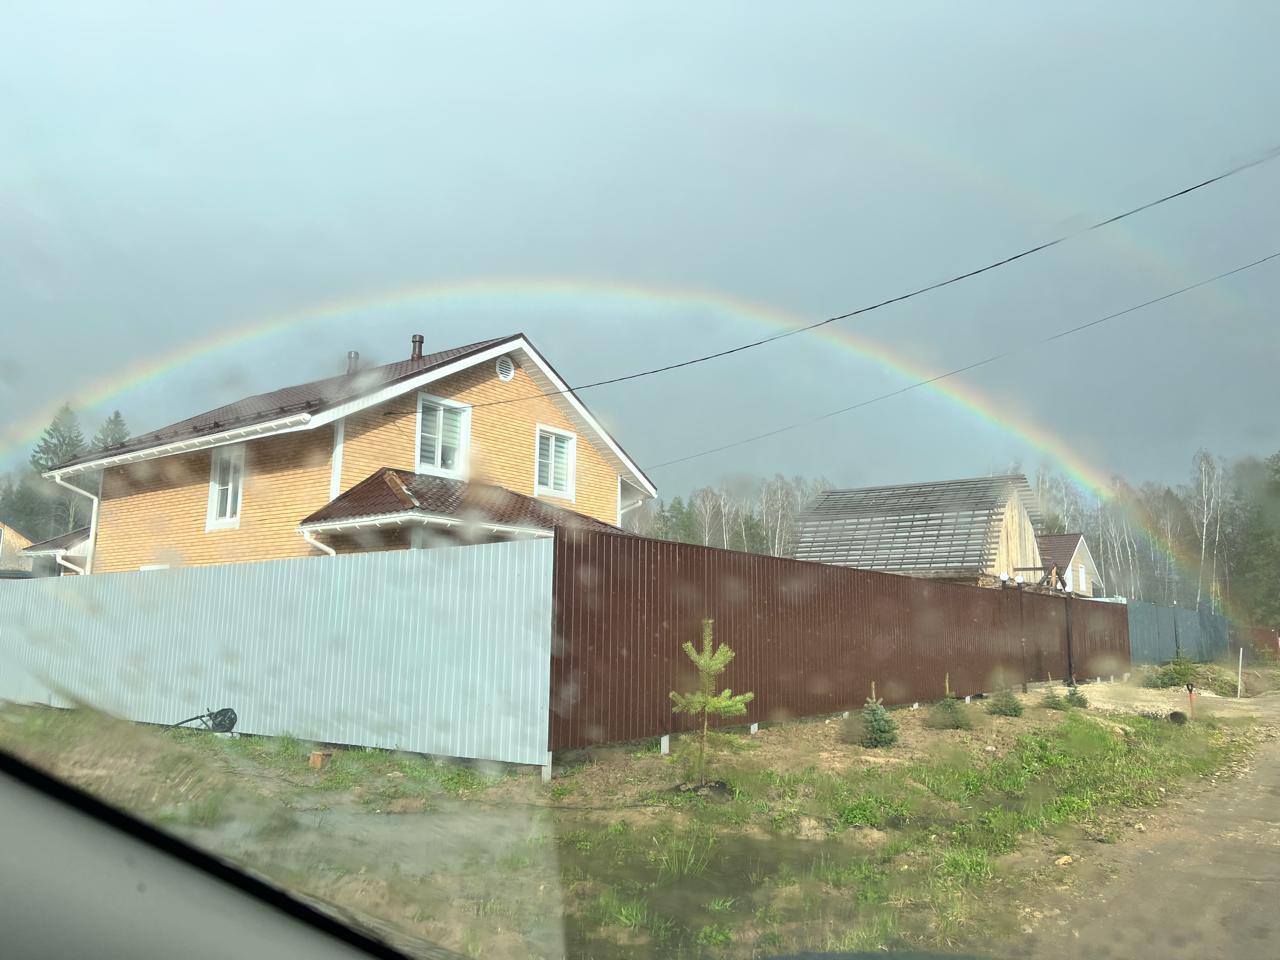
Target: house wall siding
<point>154,512</point>
<point>1016,547</point>
<point>503,439</point>
<point>11,545</point>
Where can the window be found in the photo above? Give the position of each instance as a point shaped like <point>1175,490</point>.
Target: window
<point>442,436</point>
<point>226,483</point>
<point>555,462</point>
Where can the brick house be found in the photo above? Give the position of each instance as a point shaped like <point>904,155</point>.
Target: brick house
<point>470,444</point>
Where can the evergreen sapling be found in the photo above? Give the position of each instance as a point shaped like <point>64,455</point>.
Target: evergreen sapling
<point>711,661</point>
<point>878,728</point>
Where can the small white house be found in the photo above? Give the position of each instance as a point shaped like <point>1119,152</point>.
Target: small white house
<point>1068,554</point>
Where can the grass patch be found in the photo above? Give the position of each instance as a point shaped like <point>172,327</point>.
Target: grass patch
<point>1052,700</point>
<point>948,714</point>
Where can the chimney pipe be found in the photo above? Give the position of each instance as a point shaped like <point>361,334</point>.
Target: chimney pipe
<point>417,347</point>
<point>353,361</point>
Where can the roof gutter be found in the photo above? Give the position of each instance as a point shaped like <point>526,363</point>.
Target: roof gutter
<point>310,537</point>
<point>183,446</point>
<point>421,519</point>
<point>61,557</point>
<point>93,522</point>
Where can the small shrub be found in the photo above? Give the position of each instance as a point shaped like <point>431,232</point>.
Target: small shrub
<point>713,935</point>
<point>1176,673</point>
<point>1005,704</point>
<point>878,728</point>
<point>853,728</point>
<point>1076,699</point>
<point>872,810</point>
<point>1052,700</point>
<point>948,714</point>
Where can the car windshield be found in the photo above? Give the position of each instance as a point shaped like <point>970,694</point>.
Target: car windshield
<point>721,480</point>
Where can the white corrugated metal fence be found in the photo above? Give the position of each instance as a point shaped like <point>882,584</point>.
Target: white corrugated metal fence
<point>444,651</point>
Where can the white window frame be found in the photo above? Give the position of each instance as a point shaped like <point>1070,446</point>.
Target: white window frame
<point>464,439</point>
<point>539,490</point>
<point>211,520</point>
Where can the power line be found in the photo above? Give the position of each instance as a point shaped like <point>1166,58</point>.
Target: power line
<point>1257,161</point>
<point>967,367</point>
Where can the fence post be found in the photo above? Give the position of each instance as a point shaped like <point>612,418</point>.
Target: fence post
<point>1071,663</point>
<point>1240,674</point>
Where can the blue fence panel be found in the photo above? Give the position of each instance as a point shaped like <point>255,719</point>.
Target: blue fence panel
<point>444,651</point>
<point>1157,634</point>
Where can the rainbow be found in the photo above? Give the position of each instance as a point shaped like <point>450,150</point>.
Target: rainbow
<point>557,292</point>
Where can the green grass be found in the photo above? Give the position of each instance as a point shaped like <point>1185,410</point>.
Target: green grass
<point>948,714</point>
<point>713,935</point>
<point>1219,678</point>
<point>686,855</point>
<point>786,863</point>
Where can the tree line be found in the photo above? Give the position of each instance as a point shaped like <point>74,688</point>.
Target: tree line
<point>750,515</point>
<point>1213,540</point>
<point>40,509</point>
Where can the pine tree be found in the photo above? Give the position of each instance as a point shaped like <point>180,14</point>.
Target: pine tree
<point>948,714</point>
<point>1052,700</point>
<point>1075,698</point>
<point>27,504</point>
<point>711,661</point>
<point>1005,704</point>
<point>878,728</point>
<point>60,442</point>
<point>112,432</point>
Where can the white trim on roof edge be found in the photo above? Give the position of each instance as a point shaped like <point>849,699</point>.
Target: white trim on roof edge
<point>1084,542</point>
<point>506,346</point>
<point>301,421</point>
<point>306,421</point>
<point>424,519</point>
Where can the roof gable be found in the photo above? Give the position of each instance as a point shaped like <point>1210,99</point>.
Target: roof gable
<point>1059,548</point>
<point>312,405</point>
<point>389,492</point>
<point>70,542</point>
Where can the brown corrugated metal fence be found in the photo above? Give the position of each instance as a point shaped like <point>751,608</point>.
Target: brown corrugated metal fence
<point>810,638</point>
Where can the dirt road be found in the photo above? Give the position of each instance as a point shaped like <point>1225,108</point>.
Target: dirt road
<point>1198,879</point>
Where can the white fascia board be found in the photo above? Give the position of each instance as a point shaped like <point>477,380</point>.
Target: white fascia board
<point>418,519</point>
<point>1093,567</point>
<point>307,421</point>
<point>391,391</point>
<point>301,421</point>
<point>59,552</point>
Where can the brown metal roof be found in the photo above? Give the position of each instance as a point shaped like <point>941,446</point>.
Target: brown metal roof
<point>66,541</point>
<point>313,397</point>
<point>389,491</point>
<point>1058,548</point>
<point>944,526</point>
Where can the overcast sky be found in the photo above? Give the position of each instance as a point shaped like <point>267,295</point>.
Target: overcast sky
<point>175,174</point>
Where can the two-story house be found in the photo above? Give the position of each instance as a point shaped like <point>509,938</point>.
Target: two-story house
<point>468,444</point>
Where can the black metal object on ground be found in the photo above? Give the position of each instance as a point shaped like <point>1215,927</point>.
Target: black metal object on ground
<point>219,721</point>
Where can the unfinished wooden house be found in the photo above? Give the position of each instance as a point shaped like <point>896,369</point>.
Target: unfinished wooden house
<point>975,530</point>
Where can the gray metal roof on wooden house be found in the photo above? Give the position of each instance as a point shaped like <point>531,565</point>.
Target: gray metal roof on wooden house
<point>949,527</point>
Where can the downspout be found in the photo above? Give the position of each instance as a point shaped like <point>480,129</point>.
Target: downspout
<point>93,523</point>
<point>310,537</point>
<point>61,558</point>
